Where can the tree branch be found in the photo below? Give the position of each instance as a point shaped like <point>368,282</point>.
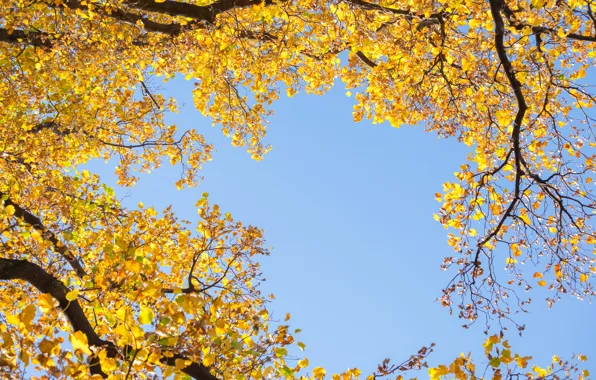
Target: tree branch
<point>129,18</point>
<point>16,36</point>
<point>538,30</point>
<point>376,7</point>
<point>43,281</point>
<point>496,7</point>
<point>35,275</point>
<point>205,13</point>
<point>37,224</point>
<point>365,59</point>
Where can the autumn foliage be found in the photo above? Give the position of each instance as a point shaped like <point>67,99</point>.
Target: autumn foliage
<point>92,289</point>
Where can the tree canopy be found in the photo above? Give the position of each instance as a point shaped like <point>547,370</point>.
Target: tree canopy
<point>92,288</point>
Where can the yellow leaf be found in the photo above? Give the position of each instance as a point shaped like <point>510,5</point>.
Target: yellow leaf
<point>9,210</point>
<point>146,315</point>
<point>47,302</point>
<point>558,271</point>
<point>437,372</point>
<point>108,364</point>
<point>46,346</point>
<point>181,364</point>
<point>524,216</point>
<point>72,295</point>
<point>208,359</point>
<point>12,319</point>
<point>522,362</point>
<point>133,266</point>
<point>124,335</point>
<point>24,357</point>
<point>319,372</point>
<point>540,371</point>
<point>79,342</point>
<point>538,3</point>
<point>28,314</point>
<point>488,344</point>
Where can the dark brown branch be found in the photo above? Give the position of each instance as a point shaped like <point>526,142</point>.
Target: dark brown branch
<point>198,13</point>
<point>130,18</point>
<point>580,37</point>
<point>538,30</point>
<point>516,86</point>
<point>17,36</point>
<point>46,283</point>
<point>376,7</point>
<point>496,7</point>
<point>414,362</point>
<point>365,59</point>
<point>63,131</point>
<point>260,36</point>
<point>37,224</point>
<point>150,94</point>
<point>194,370</point>
<point>51,125</point>
<point>172,29</point>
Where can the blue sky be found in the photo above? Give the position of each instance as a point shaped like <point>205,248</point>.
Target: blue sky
<point>347,208</point>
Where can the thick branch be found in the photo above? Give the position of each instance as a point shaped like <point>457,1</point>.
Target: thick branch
<point>130,18</point>
<point>516,86</point>
<point>51,125</point>
<point>580,37</point>
<point>538,30</point>
<point>376,7</point>
<point>200,14</point>
<point>46,283</point>
<point>365,59</point>
<point>196,12</point>
<point>194,370</point>
<point>496,7</point>
<point>204,14</point>
<point>38,39</point>
<point>37,224</point>
<point>149,25</point>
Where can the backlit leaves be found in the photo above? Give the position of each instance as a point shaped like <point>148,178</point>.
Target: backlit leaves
<point>79,81</point>
<point>503,363</point>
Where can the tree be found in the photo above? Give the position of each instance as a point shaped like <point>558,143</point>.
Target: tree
<point>135,292</point>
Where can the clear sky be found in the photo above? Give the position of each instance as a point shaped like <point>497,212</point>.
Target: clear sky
<point>347,208</point>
